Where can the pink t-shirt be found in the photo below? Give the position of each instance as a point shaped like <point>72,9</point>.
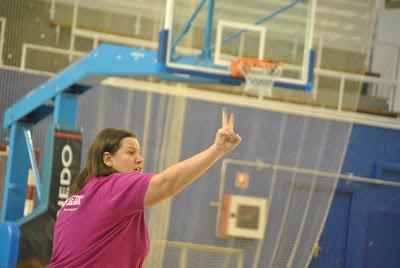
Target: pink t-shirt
<point>104,224</point>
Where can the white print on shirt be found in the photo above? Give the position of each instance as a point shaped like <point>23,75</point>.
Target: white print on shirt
<point>72,203</point>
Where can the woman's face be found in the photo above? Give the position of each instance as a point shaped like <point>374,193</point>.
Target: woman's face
<point>128,158</point>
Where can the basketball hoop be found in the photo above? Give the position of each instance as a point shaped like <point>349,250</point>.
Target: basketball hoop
<point>259,75</point>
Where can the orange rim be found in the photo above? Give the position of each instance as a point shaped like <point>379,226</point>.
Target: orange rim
<point>242,66</point>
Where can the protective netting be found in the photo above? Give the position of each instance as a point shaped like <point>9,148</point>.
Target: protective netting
<point>299,150</point>
<point>292,160</point>
<point>298,202</point>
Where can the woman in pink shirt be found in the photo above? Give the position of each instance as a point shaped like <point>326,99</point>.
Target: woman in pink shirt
<point>102,224</point>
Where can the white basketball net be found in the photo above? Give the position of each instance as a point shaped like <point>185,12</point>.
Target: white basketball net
<point>260,80</point>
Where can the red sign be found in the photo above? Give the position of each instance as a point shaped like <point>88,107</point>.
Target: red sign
<point>242,180</point>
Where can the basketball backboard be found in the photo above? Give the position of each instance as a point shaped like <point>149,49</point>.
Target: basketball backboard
<point>206,35</point>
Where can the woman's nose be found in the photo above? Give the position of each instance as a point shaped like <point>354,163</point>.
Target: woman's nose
<point>139,159</point>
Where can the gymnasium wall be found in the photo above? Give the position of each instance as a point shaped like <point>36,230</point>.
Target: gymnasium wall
<point>192,218</point>
<point>386,50</point>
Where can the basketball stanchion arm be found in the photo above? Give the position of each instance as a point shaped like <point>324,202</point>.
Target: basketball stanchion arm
<point>105,60</point>
<point>58,97</point>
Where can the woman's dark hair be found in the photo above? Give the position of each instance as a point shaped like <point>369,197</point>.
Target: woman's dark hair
<point>108,140</point>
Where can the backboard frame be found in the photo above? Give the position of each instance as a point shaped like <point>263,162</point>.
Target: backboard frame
<point>210,68</point>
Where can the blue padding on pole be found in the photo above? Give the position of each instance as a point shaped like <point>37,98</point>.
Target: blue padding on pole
<point>310,77</point>
<point>9,244</point>
<point>209,31</point>
<point>162,46</point>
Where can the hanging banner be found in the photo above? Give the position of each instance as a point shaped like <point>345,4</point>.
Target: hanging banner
<point>67,148</point>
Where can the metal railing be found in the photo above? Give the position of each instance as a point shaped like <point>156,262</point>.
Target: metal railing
<point>384,84</point>
<point>348,77</point>
<point>185,247</point>
<point>26,47</point>
<point>386,87</point>
<point>395,60</point>
<point>2,41</point>
<point>98,37</point>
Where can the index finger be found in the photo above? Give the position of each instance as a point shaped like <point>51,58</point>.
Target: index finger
<point>224,118</point>
<point>231,120</point>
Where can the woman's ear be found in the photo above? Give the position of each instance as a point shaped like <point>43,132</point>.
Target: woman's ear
<point>107,159</point>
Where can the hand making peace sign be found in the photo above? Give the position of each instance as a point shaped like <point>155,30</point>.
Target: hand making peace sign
<point>226,139</point>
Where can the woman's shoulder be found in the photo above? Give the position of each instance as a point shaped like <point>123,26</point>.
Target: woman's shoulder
<point>116,176</point>
<point>129,174</point>
<point>117,180</point>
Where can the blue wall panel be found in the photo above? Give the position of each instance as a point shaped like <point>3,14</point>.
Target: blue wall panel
<point>383,239</point>
<point>369,148</point>
<point>333,242</point>
<point>369,145</point>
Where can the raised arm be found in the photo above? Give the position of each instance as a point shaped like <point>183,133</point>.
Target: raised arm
<point>175,178</point>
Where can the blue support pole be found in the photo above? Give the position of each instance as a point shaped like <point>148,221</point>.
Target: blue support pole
<point>9,237</point>
<point>15,185</point>
<point>66,109</point>
<point>208,32</point>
